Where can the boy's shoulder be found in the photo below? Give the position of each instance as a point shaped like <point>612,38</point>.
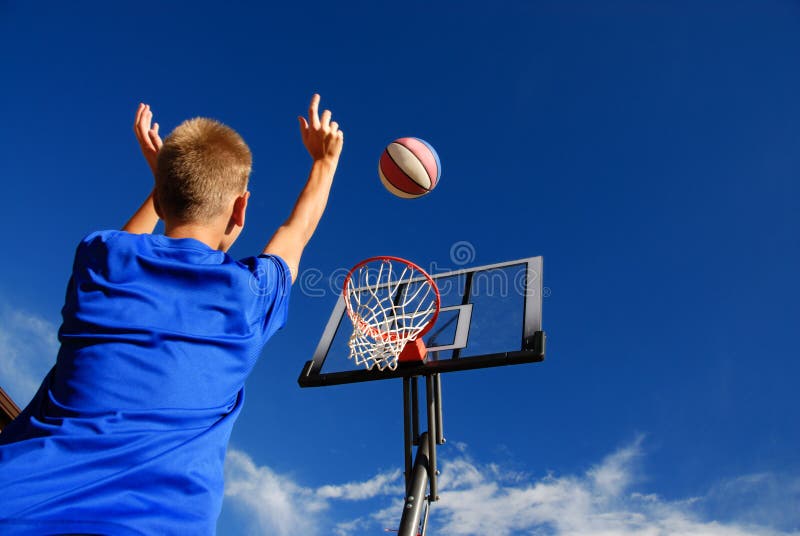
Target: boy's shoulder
<point>102,236</point>
<point>114,242</point>
<point>116,238</point>
<point>145,242</point>
<point>113,250</point>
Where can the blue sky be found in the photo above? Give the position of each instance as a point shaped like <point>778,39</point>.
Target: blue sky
<point>650,151</point>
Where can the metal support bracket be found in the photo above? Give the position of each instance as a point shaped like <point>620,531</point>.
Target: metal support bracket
<point>423,473</point>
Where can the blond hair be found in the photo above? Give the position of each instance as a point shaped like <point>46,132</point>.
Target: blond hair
<point>201,167</point>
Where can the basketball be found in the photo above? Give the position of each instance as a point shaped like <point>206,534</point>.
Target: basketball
<point>409,167</point>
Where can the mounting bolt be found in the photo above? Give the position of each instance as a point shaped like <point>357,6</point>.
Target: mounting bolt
<point>409,506</point>
<point>410,498</point>
<point>438,472</point>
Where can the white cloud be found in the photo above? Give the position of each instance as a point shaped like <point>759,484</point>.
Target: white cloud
<point>356,526</point>
<point>478,498</point>
<point>28,349</point>
<point>756,497</point>
<point>614,475</point>
<point>381,484</point>
<point>275,504</point>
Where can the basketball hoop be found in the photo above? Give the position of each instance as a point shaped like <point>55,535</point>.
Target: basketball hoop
<point>392,303</point>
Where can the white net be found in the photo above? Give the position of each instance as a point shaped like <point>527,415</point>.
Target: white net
<point>390,303</point>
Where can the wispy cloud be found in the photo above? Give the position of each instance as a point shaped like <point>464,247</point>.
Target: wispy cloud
<point>28,348</point>
<point>276,504</point>
<point>380,484</point>
<point>485,498</point>
<point>480,499</point>
<point>755,498</point>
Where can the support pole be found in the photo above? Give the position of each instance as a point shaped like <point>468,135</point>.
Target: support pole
<point>415,496</point>
<point>437,393</point>
<point>425,519</point>
<point>423,474</point>
<point>408,438</point>
<point>414,411</point>
<point>431,401</point>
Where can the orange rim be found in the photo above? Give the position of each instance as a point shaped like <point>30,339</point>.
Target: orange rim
<point>372,331</point>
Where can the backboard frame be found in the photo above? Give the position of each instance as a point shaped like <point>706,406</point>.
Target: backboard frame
<point>532,347</point>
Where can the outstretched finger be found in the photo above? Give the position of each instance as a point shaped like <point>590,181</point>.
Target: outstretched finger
<point>154,137</point>
<point>139,111</point>
<point>141,120</point>
<point>326,119</point>
<point>313,111</point>
<point>144,125</point>
<point>303,126</point>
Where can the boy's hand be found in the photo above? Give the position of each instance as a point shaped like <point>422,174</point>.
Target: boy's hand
<point>148,137</point>
<point>324,141</point>
<point>322,137</point>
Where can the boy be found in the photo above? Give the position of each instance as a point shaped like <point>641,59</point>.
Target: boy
<point>127,433</point>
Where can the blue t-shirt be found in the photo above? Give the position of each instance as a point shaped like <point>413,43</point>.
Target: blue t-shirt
<point>127,433</point>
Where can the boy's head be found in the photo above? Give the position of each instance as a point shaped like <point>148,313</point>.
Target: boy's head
<point>203,168</point>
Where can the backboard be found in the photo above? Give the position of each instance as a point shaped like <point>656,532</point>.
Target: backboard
<point>490,316</point>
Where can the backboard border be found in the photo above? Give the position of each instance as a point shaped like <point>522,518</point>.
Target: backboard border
<point>533,339</point>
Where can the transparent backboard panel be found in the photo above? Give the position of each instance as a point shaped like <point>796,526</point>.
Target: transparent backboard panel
<point>489,316</point>
<point>500,325</point>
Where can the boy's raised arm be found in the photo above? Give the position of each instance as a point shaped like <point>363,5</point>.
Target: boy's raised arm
<point>144,220</point>
<point>324,142</point>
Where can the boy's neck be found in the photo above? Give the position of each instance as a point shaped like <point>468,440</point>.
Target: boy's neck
<point>219,232</point>
<point>208,235</point>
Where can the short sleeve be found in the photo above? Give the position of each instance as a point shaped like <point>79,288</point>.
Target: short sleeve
<point>271,281</point>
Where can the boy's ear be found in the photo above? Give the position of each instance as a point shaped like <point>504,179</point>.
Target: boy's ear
<point>157,206</point>
<point>240,208</point>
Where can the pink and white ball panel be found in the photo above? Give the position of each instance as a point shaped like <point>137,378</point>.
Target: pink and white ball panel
<point>409,167</point>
